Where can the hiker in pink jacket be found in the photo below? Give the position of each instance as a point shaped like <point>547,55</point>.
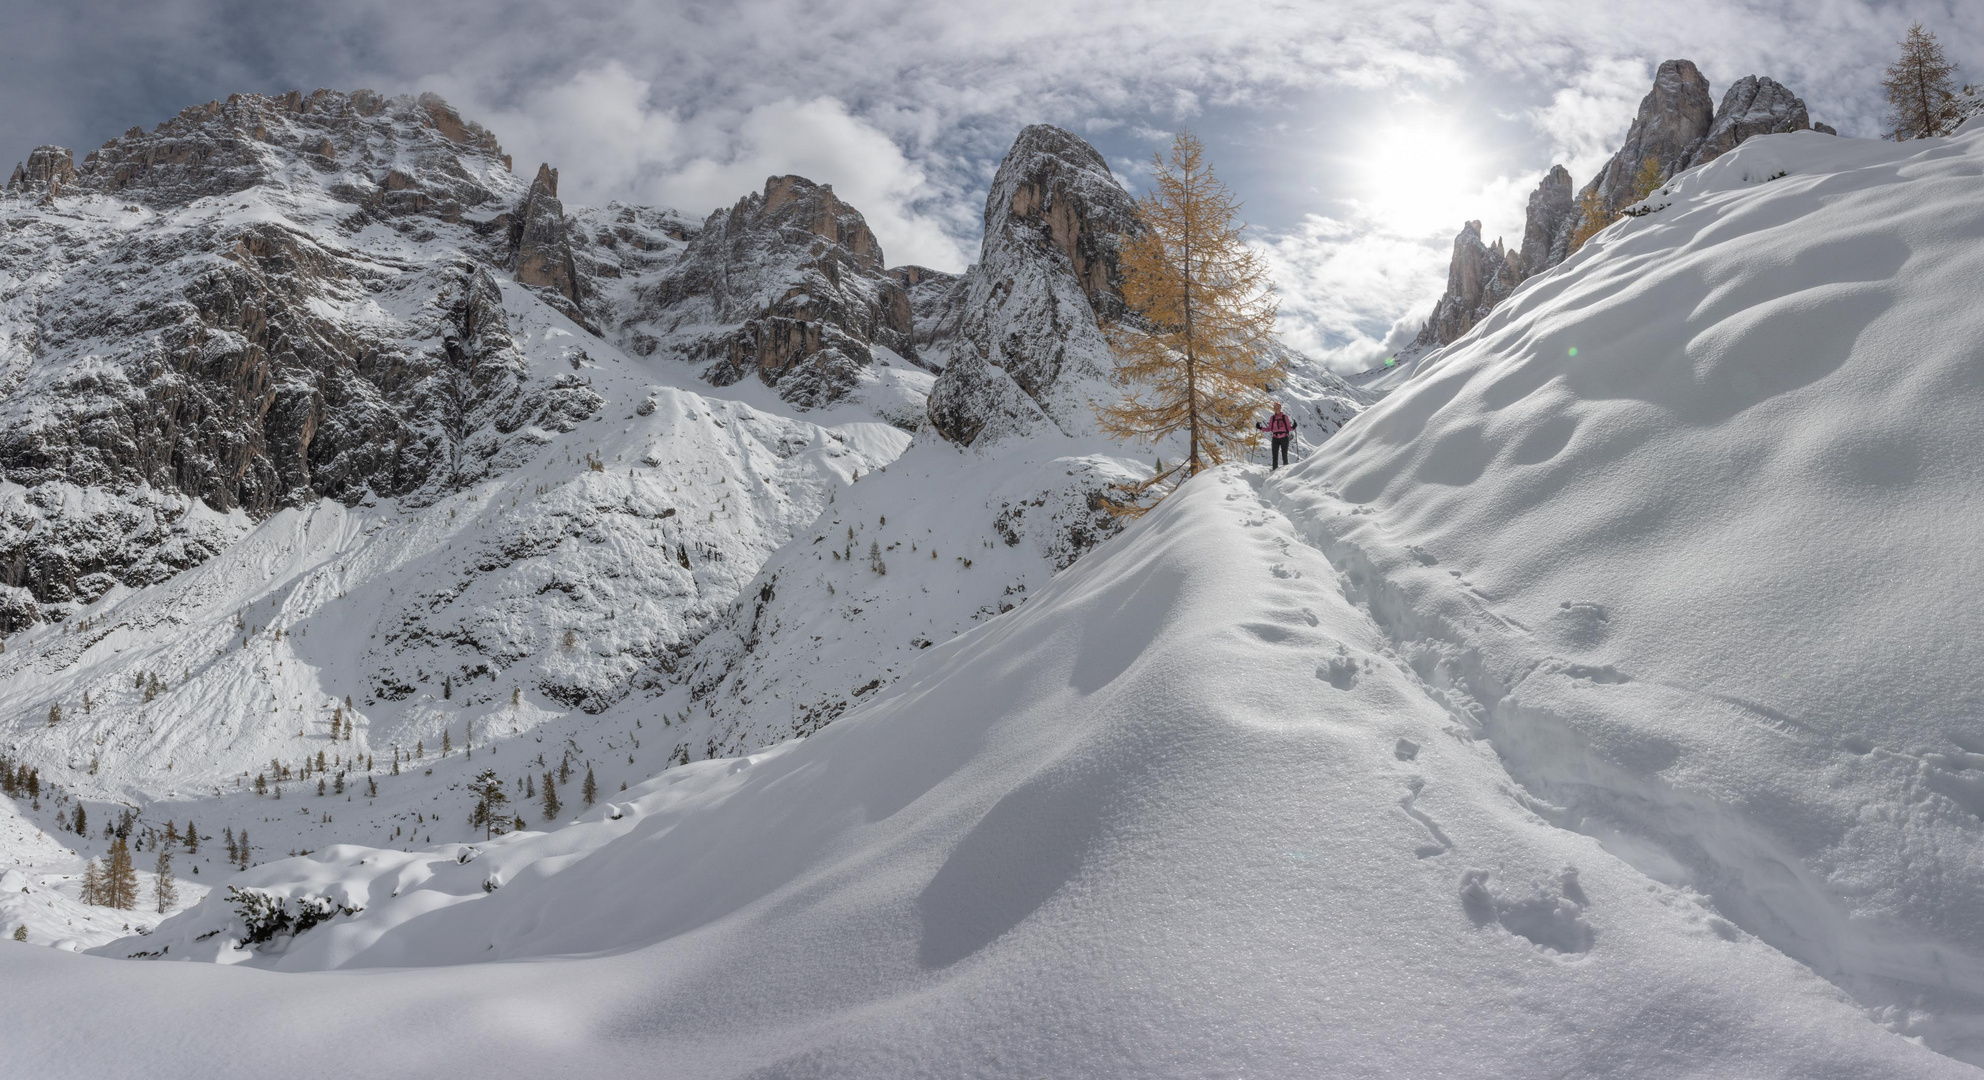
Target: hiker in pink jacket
<point>1280,428</point>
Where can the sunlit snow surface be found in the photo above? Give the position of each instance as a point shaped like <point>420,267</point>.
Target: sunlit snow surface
<point>1565,716</point>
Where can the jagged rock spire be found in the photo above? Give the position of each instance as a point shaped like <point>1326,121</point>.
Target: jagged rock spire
<point>1673,118</point>
<point>47,171</point>
<point>795,280</point>
<point>1481,276</point>
<point>1045,278</point>
<point>1552,216</point>
<point>542,240</point>
<point>1754,105</point>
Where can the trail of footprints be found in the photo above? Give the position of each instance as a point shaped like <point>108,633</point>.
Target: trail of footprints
<point>1551,914</point>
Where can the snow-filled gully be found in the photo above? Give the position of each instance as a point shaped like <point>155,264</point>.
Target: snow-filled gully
<point>1538,712</point>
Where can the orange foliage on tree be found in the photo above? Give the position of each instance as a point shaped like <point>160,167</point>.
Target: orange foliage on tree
<point>1197,356</point>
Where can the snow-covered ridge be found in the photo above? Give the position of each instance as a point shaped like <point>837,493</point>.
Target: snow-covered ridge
<point>1190,760</point>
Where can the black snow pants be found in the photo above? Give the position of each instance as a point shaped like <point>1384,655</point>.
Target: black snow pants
<point>1277,452</point>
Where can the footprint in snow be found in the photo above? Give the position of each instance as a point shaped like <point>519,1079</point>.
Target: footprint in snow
<point>1440,845</point>
<point>1550,916</point>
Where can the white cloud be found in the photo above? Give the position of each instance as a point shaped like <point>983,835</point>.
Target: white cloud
<point>820,140</point>
<point>608,141</point>
<point>1586,120</point>
<point>1347,289</point>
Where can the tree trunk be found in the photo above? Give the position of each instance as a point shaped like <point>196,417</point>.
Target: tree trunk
<point>1191,356</point>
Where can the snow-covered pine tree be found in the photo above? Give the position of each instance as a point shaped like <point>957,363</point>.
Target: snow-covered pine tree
<point>551,804</point>
<point>489,801</point>
<point>1921,89</point>
<point>589,791</point>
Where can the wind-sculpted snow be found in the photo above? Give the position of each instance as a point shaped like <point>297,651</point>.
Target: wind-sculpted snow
<point>1189,761</point>
<point>1688,530</point>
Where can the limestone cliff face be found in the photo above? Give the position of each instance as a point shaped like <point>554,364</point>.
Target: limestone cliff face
<point>543,244</point>
<point>1673,118</point>
<point>1028,335</point>
<point>262,302</point>
<point>47,171</point>
<point>1551,217</point>
<point>1481,276</point>
<point>1754,105</point>
<point>936,305</point>
<point>788,286</point>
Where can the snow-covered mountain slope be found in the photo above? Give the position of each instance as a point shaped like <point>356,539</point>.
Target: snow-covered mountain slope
<point>1689,527</point>
<point>1602,712</point>
<point>457,527</point>
<point>1190,761</point>
<point>40,883</point>
<point>556,585</point>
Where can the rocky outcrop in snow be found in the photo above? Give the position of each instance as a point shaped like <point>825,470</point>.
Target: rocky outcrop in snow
<point>788,286</point>
<point>1673,118</point>
<point>1755,105</point>
<point>1481,276</point>
<point>260,303</point>
<point>1029,331</point>
<point>46,172</point>
<point>544,249</point>
<point>1552,216</point>
<point>1674,128</point>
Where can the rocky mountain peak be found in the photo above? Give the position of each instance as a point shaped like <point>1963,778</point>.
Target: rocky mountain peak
<point>797,201</point>
<point>1480,276</point>
<point>1058,188</point>
<point>542,241</point>
<point>789,285</point>
<point>1672,119</point>
<point>406,154</point>
<point>1552,215</point>
<point>1754,105</point>
<point>47,171</point>
<point>1029,322</point>
<point>193,367</point>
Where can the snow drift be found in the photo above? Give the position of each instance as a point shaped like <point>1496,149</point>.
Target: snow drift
<point>1689,526</point>
<point>1190,762</point>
